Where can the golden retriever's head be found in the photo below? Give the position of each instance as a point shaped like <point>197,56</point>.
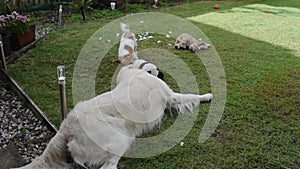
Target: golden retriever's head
<point>180,44</point>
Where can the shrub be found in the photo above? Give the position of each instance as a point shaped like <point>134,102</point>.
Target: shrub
<point>12,23</point>
<point>105,13</point>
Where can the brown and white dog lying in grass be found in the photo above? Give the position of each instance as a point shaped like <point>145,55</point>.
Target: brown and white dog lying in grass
<point>128,47</point>
<point>97,132</point>
<point>185,41</point>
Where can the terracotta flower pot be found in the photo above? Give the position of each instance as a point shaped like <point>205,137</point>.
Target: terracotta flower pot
<point>19,39</point>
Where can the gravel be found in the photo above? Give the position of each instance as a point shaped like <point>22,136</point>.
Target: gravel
<point>20,127</point>
<point>41,30</point>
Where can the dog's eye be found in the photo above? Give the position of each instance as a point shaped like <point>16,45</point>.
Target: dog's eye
<point>149,71</point>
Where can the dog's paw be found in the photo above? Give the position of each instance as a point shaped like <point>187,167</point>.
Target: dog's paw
<point>207,97</point>
<point>194,47</point>
<point>203,46</point>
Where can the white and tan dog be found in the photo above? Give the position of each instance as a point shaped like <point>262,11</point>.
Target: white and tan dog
<point>185,41</point>
<point>128,47</point>
<point>100,130</point>
<point>148,67</point>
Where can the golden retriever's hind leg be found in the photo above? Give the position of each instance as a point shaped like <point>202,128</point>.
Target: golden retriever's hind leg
<point>206,97</point>
<point>111,162</point>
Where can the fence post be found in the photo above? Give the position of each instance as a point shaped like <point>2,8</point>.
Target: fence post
<point>62,89</point>
<point>59,15</point>
<point>3,56</point>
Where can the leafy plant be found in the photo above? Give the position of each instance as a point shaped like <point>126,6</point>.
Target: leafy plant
<point>82,6</point>
<point>14,22</point>
<point>74,18</point>
<point>134,8</point>
<point>105,13</point>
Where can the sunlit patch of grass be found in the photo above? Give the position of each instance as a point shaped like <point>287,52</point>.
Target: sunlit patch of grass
<point>275,25</point>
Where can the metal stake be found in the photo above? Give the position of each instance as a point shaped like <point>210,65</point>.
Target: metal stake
<point>112,6</point>
<point>62,89</point>
<point>155,4</point>
<point>3,56</point>
<point>59,15</point>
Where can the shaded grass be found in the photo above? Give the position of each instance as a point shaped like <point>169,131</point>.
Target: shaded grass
<point>259,128</point>
<point>260,124</point>
<point>36,72</point>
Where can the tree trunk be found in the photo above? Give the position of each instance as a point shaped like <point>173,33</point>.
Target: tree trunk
<point>82,13</point>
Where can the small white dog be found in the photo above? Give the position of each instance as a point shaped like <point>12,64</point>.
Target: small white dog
<point>148,67</point>
<point>185,41</point>
<point>128,47</point>
<point>99,131</point>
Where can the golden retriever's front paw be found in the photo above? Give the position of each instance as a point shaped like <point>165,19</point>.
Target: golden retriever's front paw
<point>194,47</point>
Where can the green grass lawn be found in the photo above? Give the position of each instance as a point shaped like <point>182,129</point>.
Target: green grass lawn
<point>260,124</point>
<point>275,25</point>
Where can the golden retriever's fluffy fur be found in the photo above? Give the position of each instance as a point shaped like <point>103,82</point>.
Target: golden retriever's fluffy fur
<point>148,67</point>
<point>100,130</point>
<point>185,40</point>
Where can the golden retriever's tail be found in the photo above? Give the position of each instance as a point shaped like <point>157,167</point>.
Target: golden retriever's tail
<point>54,156</point>
<point>186,102</point>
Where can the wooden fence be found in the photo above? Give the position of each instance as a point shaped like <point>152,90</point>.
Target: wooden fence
<point>10,5</point>
<point>29,2</point>
<point>23,3</point>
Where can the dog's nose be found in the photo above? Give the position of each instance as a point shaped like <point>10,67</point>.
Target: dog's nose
<point>176,47</point>
<point>160,75</point>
